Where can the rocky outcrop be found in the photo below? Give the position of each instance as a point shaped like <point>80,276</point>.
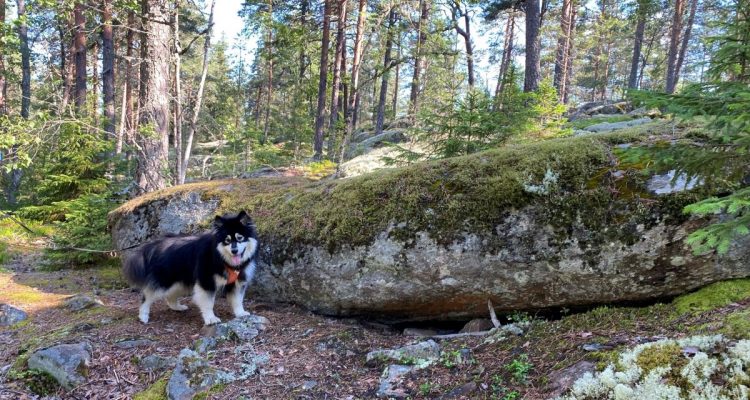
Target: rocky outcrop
<point>552,224</point>
<point>613,126</point>
<point>67,363</point>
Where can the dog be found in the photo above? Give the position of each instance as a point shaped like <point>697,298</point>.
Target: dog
<point>173,266</point>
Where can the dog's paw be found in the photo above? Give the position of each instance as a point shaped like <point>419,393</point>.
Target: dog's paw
<point>241,313</point>
<point>143,318</point>
<point>178,307</point>
<point>211,320</point>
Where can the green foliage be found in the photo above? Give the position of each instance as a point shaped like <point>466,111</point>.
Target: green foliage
<point>519,368</point>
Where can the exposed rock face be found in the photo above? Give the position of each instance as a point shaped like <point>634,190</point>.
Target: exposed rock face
<point>66,363</point>
<point>531,227</point>
<point>613,126</point>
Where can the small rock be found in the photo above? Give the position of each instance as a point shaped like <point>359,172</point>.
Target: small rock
<point>243,328</point>
<point>596,347</point>
<point>205,344</point>
<point>420,355</point>
<point>477,325</point>
<point>83,327</point>
<point>390,379</point>
<point>155,362</point>
<point>192,375</point>
<point>307,385</point>
<point>67,363</point>
<point>419,332</point>
<point>562,380</point>
<point>10,315</point>
<point>461,391</point>
<point>81,302</point>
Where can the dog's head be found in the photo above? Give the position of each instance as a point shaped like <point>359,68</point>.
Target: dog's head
<point>236,240</point>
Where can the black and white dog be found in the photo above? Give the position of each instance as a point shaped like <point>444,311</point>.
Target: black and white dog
<point>174,266</point>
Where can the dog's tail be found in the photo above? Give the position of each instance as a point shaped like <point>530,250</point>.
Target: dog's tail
<point>134,269</point>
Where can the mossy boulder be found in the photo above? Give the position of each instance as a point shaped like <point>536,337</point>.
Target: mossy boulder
<point>533,226</point>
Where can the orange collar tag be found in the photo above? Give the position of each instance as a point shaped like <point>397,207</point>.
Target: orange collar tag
<point>232,275</point>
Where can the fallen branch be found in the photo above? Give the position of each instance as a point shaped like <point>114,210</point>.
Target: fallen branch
<point>493,316</point>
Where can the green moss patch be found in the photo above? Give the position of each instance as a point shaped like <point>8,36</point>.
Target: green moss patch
<point>597,119</point>
<point>157,391</point>
<point>713,296</point>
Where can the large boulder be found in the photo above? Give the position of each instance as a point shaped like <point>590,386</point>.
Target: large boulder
<point>551,224</point>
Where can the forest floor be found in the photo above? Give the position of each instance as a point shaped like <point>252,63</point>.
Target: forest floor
<point>317,357</point>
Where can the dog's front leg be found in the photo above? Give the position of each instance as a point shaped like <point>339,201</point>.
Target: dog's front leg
<point>236,297</point>
<point>204,299</point>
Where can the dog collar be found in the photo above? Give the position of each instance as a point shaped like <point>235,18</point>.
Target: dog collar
<point>232,274</point>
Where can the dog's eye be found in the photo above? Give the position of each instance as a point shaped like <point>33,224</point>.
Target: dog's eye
<point>239,237</point>
<point>228,240</point>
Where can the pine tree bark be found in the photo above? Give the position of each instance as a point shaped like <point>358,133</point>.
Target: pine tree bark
<point>3,89</point>
<point>128,106</point>
<point>456,12</point>
<point>64,75</point>
<point>322,82</point>
<point>198,97</point>
<point>533,46</point>
<point>419,57</point>
<point>23,37</point>
<point>108,70</point>
<point>269,80</point>
<point>563,42</point>
<point>80,56</point>
<point>304,9</point>
<point>506,60</point>
<point>640,29</point>
<point>570,55</point>
<point>153,138</point>
<point>339,57</point>
<point>380,119</point>
<point>353,98</point>
<point>674,45</point>
<point>685,41</point>
<point>177,124</point>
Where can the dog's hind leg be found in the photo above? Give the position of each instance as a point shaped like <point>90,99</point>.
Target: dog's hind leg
<point>205,301</point>
<point>172,296</point>
<point>235,297</point>
<point>149,296</point>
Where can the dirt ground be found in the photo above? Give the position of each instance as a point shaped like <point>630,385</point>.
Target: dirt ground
<point>310,356</point>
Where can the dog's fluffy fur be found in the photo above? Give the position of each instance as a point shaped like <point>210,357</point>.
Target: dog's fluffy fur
<point>174,266</point>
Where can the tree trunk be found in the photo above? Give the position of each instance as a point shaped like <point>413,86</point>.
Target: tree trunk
<point>126,127</point>
<point>353,98</point>
<point>506,60</point>
<point>198,97</point>
<point>304,9</point>
<point>153,141</point>
<point>177,124</point>
<point>3,90</point>
<point>563,41</point>
<point>674,44</point>
<point>23,36</point>
<point>339,57</point>
<point>533,46</point>
<point>637,45</point>
<point>396,77</point>
<point>419,57</point>
<point>64,75</point>
<point>269,81</point>
<point>456,12</point>
<point>322,82</point>
<point>685,41</point>
<point>380,119</point>
<point>108,70</point>
<point>570,56</point>
<point>80,56</point>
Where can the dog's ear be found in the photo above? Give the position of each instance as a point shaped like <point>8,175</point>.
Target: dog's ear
<point>244,218</point>
<point>218,222</point>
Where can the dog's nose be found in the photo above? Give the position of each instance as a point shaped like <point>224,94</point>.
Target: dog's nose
<point>234,251</point>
